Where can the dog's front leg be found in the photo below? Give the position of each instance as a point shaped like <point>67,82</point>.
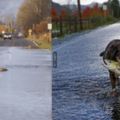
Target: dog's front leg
<point>114,82</point>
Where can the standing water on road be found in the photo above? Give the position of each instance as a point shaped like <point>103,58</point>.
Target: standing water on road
<point>81,85</point>
<point>25,89</point>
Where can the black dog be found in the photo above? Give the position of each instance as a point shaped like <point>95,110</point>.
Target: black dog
<point>112,52</point>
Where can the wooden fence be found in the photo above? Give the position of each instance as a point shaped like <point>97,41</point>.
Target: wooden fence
<point>70,25</point>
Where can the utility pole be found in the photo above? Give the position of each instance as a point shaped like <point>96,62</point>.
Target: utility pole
<point>80,15</point>
<point>109,7</point>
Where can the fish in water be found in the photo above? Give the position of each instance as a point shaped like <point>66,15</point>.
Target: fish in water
<point>3,69</point>
<point>112,65</point>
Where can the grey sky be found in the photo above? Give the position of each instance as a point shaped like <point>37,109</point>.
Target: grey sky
<point>82,1</point>
<point>9,6</point>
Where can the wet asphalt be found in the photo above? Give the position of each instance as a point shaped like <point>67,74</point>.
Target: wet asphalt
<point>81,85</point>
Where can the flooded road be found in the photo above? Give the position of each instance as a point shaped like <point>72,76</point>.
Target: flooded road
<point>81,85</point>
<point>25,89</point>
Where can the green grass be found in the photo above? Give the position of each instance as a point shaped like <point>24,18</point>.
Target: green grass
<point>41,44</point>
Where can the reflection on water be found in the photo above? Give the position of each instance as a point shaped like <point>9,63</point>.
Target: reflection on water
<point>25,89</point>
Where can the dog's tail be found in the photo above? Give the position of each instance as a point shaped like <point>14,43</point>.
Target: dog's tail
<point>102,54</point>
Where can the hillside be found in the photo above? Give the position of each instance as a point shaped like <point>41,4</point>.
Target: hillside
<point>71,7</point>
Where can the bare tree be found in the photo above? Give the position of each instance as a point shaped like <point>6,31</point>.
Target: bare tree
<point>9,21</point>
<point>32,12</point>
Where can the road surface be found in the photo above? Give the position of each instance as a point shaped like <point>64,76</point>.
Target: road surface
<point>14,42</point>
<point>25,89</point>
<point>81,85</point>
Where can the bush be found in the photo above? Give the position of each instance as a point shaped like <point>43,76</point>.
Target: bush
<point>41,27</point>
<point>110,19</point>
<point>97,20</point>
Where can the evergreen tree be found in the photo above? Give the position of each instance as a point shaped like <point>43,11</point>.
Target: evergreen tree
<point>115,7</point>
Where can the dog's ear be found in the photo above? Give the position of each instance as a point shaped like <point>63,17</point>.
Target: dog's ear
<point>102,54</point>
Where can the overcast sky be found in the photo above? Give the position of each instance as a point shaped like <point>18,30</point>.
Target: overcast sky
<point>82,1</point>
<point>9,8</point>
